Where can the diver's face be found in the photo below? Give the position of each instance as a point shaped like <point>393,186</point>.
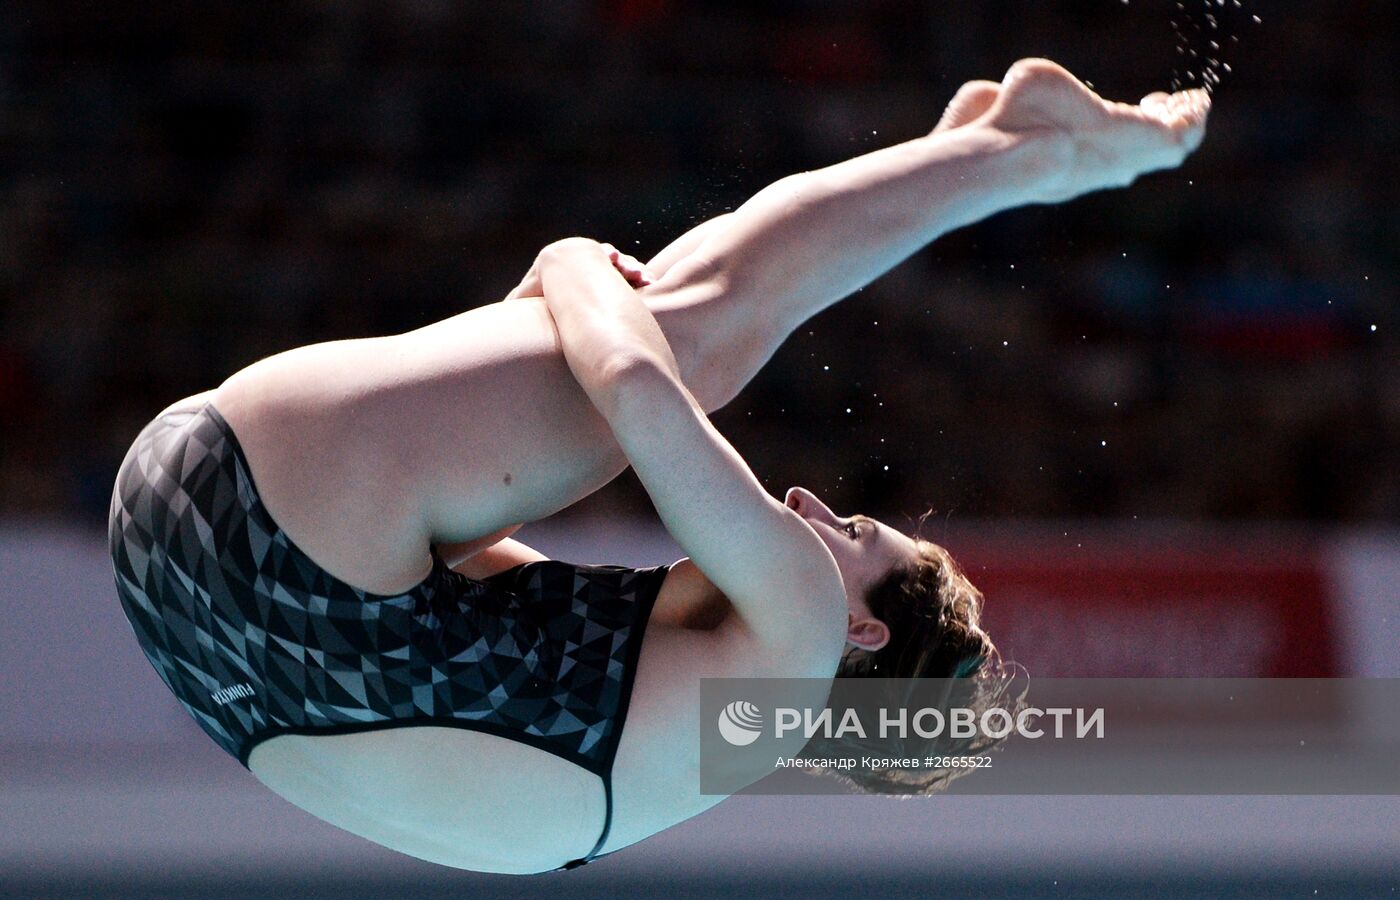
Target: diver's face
<point>865,551</point>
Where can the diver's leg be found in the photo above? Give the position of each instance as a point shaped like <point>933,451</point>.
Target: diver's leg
<point>740,329</point>
<point>811,239</point>
<point>366,451</point>
<point>971,101</point>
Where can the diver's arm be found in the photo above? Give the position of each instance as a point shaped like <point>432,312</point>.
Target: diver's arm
<point>778,574</point>
<point>489,555</point>
<point>601,323</point>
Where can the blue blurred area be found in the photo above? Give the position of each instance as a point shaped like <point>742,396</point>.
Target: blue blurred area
<point>1111,886</point>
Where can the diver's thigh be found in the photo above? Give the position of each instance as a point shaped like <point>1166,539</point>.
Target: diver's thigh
<point>366,451</point>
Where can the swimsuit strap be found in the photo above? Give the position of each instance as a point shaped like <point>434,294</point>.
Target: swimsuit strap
<point>602,838</point>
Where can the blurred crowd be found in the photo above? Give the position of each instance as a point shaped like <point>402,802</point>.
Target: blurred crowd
<point>185,188</point>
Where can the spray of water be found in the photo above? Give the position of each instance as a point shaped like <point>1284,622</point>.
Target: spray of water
<point>1207,32</point>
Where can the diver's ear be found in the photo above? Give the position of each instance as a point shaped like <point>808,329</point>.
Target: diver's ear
<point>867,633</point>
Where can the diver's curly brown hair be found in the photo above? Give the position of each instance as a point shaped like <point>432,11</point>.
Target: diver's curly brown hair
<point>933,613</point>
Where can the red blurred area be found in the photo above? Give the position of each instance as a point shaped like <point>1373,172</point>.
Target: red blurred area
<point>1159,609</point>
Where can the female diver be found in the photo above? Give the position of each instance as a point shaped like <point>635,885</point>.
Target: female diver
<point>315,556</point>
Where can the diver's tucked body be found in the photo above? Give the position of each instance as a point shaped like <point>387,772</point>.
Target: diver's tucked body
<point>330,519</point>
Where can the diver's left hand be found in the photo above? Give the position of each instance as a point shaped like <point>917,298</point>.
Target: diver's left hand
<point>629,267</point>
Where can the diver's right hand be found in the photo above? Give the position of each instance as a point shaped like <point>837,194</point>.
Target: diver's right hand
<point>1092,143</point>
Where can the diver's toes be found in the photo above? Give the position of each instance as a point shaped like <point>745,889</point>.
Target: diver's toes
<point>969,103</point>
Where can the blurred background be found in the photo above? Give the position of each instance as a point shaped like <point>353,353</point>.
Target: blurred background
<point>1159,427</point>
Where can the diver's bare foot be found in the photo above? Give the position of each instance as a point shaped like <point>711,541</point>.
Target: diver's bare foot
<point>1096,143</point>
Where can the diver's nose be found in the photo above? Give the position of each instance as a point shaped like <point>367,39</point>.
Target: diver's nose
<point>805,504</point>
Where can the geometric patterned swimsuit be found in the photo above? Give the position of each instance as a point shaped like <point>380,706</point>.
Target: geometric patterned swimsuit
<point>256,640</point>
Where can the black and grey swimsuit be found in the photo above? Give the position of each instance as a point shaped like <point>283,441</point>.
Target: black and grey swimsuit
<point>256,640</point>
